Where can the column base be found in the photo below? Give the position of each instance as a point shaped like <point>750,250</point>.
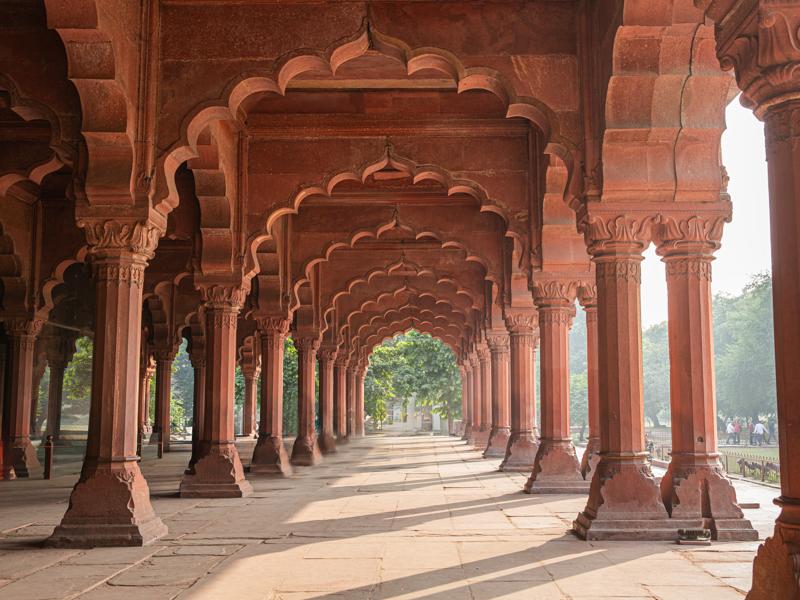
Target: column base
<point>217,474</point>
<point>109,506</point>
<point>327,443</point>
<point>270,458</point>
<point>556,470</point>
<point>625,504</point>
<point>591,456</point>
<point>305,452</point>
<point>498,442</point>
<point>520,453</point>
<point>154,435</point>
<point>467,432</point>
<point>342,439</point>
<point>23,459</point>
<point>480,439</point>
<point>703,492</point>
<point>776,568</point>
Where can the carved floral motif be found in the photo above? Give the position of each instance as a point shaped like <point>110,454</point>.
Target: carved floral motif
<point>221,296</point>
<point>609,232</point>
<point>138,238</point>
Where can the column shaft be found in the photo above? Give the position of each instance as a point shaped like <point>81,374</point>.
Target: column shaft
<point>269,455</point>
<point>22,338</point>
<point>500,432</point>
<point>306,450</point>
<point>55,398</point>
<point>467,400</point>
<point>249,407</point>
<point>484,357</point>
<point>522,445</point>
<point>624,500</point>
<point>556,469</point>
<point>327,441</point>
<point>198,409</point>
<point>351,399</point>
<point>591,455</point>
<point>340,401</point>
<point>163,425</point>
<point>110,504</point>
<point>360,417</point>
<point>218,473</point>
<point>478,429</point>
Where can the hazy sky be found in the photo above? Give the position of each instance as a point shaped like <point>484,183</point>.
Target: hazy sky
<point>745,241</point>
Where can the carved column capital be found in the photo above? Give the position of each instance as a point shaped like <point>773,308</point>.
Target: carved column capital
<point>548,292</point>
<point>110,237</point>
<point>306,345</point>
<point>273,326</point>
<point>521,321</point>
<point>700,234</point>
<point>587,295</point>
<point>613,233</point>
<point>760,41</point>
<point>25,328</point>
<point>484,355</point>
<point>164,354</point>
<point>499,343</point>
<point>217,296</point>
<point>327,354</point>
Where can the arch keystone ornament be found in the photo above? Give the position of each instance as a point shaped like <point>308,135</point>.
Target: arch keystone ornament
<point>110,504</point>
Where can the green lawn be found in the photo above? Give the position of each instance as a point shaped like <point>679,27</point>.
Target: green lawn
<point>768,453</point>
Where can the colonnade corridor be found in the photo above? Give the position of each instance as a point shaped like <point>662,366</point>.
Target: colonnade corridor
<point>388,516</point>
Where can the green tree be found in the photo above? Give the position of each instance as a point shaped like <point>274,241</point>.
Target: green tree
<point>578,381</point>
<point>289,388</point>
<point>78,380</point>
<point>181,405</point>
<point>655,358</point>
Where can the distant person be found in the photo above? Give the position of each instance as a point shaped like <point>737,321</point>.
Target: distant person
<point>750,430</point>
<point>758,433</point>
<point>731,433</point>
<point>771,432</point>
<point>737,429</point>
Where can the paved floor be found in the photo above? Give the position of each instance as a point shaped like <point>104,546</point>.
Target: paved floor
<point>395,517</point>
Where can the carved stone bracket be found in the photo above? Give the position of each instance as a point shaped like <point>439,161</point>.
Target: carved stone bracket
<point>273,325</point>
<point>109,237</point>
<point>521,321</point>
<point>223,295</point>
<point>498,342</point>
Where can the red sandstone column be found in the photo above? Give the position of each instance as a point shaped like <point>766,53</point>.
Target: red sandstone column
<point>340,400</point>
<point>22,341</point>
<point>351,398</point>
<point>163,425</point>
<point>556,469</point>
<point>522,445</point>
<point>270,455</point>
<point>218,473</point>
<point>110,504</point>
<point>198,360</point>
<point>60,351</point>
<point>39,365</point>
<point>777,566</point>
<point>467,399</point>
<point>477,399</point>
<point>587,295</point>
<point>146,370</point>
<point>500,432</point>
<point>327,443</point>
<point>484,358</point>
<point>695,486</point>
<point>249,408</point>
<point>305,450</point>
<point>361,376</point>
<point>624,500</point>
<point>6,468</point>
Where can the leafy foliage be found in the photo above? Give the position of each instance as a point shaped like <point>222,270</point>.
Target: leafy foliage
<point>655,359</point>
<point>78,379</point>
<point>413,363</point>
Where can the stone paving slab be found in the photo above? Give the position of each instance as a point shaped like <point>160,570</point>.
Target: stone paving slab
<point>388,517</point>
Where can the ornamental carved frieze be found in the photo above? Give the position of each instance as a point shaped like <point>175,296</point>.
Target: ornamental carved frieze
<point>111,235</point>
<point>699,267</point>
<point>783,125</point>
<point>693,233</point>
<point>114,273</point>
<point>499,343</point>
<point>614,232</point>
<point>623,270</point>
<point>522,321</point>
<point>218,296</point>
<point>557,316</point>
<point>761,43</point>
<point>24,330</point>
<point>223,317</point>
<point>273,326</point>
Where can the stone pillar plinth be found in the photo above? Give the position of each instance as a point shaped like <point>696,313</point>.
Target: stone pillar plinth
<point>22,341</point>
<point>249,407</point>
<point>522,444</point>
<point>351,398</point>
<point>162,428</point>
<point>479,435</point>
<point>466,398</point>
<point>624,499</point>
<point>499,347</point>
<point>695,485</point>
<point>340,400</point>
<point>198,360</point>
<point>218,473</point>
<point>587,294</point>
<point>556,469</point>
<point>269,455</point>
<point>110,504</point>
<point>305,451</point>
<point>327,441</point>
